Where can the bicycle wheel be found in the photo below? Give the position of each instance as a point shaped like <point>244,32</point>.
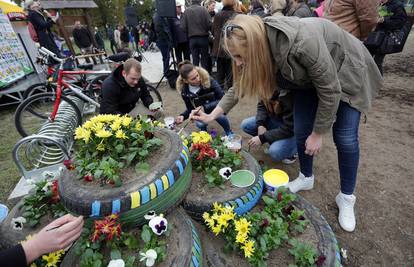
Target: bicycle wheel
<point>156,96</point>
<point>32,115</point>
<point>94,91</point>
<point>39,88</point>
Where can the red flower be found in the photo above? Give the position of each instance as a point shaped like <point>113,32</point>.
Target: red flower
<point>279,196</point>
<point>55,194</point>
<point>204,150</point>
<point>320,260</point>
<point>69,164</point>
<point>265,223</point>
<point>88,178</point>
<point>95,236</point>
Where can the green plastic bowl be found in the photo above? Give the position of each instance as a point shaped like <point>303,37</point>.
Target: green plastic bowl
<point>242,178</point>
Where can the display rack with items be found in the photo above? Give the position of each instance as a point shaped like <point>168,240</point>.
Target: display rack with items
<point>14,63</point>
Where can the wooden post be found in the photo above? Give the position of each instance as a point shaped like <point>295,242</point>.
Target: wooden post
<point>63,31</point>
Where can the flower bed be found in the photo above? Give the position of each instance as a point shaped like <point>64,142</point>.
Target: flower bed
<point>209,155</point>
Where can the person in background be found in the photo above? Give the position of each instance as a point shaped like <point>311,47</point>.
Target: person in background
<point>224,75</point>
<point>124,38</point>
<point>42,22</point>
<point>198,89</point>
<point>135,36</point>
<point>164,37</point>
<point>395,19</point>
<point>182,48</point>
<point>117,38</point>
<point>278,7</point>
<point>211,8</point>
<point>57,235</point>
<point>99,39</point>
<point>298,8</point>
<point>273,124</point>
<point>83,39</point>
<point>111,38</point>
<point>196,23</point>
<point>318,12</point>
<point>337,84</point>
<point>256,8</point>
<point>358,17</point>
<point>124,88</point>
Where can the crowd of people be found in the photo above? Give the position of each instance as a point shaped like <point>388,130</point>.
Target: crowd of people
<point>311,75</point>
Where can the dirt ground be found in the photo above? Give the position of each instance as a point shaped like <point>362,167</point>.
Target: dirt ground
<point>384,235</point>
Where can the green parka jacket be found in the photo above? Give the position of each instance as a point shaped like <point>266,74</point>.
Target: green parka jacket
<point>316,53</point>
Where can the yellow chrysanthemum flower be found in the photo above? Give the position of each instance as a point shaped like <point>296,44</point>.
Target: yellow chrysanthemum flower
<point>242,226</point>
<point>100,147</point>
<point>82,133</point>
<point>201,137</point>
<point>222,220</point>
<point>248,248</point>
<point>88,125</point>
<point>103,133</point>
<point>126,120</point>
<point>97,126</point>
<point>52,259</point>
<point>241,238</point>
<point>138,126</point>
<point>120,134</point>
<point>217,207</point>
<point>216,229</point>
<point>116,124</point>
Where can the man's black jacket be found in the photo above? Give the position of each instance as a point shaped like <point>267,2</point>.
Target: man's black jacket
<point>119,98</point>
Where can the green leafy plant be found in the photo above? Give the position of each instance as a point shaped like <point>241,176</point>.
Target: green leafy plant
<point>107,143</point>
<point>152,241</point>
<point>42,200</point>
<point>258,233</point>
<point>209,155</point>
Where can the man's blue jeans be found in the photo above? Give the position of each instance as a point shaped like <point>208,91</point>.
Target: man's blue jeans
<point>222,120</point>
<point>345,135</point>
<point>278,150</point>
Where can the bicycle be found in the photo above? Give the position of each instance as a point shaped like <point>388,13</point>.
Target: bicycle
<point>41,108</point>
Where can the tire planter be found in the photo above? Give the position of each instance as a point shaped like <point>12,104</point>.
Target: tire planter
<point>325,242</point>
<point>183,244</point>
<point>11,237</point>
<point>242,199</point>
<point>160,189</point>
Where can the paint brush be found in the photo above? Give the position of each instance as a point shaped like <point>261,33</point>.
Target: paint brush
<point>186,124</point>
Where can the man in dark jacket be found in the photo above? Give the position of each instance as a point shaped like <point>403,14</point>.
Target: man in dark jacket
<point>273,124</point>
<point>111,37</point>
<point>162,28</point>
<point>83,39</point>
<point>123,89</point>
<point>42,22</point>
<point>256,8</point>
<point>196,22</point>
<point>182,48</point>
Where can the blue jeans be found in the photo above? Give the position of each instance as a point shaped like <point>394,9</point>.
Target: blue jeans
<point>278,150</point>
<point>345,135</point>
<point>165,52</point>
<point>222,120</point>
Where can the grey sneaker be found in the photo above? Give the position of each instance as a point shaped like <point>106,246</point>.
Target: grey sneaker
<point>301,183</point>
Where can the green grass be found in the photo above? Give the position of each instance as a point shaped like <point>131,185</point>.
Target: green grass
<point>9,174</point>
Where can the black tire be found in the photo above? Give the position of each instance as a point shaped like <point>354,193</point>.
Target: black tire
<point>39,88</point>
<point>242,199</point>
<point>33,112</point>
<point>156,96</point>
<point>184,247</point>
<point>161,188</point>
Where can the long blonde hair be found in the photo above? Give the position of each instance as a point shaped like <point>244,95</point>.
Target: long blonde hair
<point>246,35</point>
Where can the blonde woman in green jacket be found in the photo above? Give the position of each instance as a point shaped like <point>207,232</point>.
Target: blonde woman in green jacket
<point>332,75</point>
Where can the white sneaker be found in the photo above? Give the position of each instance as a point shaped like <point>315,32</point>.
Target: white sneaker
<point>301,183</point>
<point>346,216</point>
<point>290,160</point>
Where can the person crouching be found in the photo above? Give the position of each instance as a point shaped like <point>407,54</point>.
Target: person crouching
<point>199,90</point>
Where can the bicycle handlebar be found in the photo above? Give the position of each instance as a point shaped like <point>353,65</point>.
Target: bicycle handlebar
<point>47,52</point>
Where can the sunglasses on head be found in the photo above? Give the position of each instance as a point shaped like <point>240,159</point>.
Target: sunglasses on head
<point>229,28</point>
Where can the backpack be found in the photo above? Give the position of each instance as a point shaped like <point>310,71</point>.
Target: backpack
<point>32,32</point>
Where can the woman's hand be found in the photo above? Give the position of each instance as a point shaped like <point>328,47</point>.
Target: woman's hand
<point>313,144</point>
<point>179,119</point>
<point>200,115</point>
<point>69,228</point>
<point>261,130</point>
<point>255,141</point>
